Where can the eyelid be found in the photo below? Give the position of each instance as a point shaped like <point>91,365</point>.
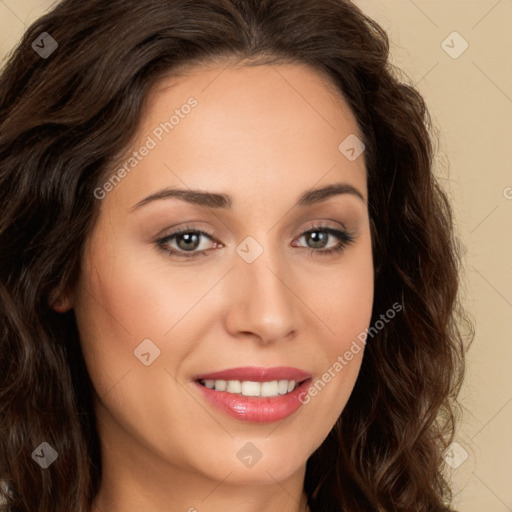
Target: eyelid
<point>161,240</point>
<point>215,235</point>
<point>324,224</point>
<point>165,233</point>
<point>347,239</point>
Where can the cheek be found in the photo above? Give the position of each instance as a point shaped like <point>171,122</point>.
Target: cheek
<point>127,297</point>
<point>344,304</point>
<point>351,318</point>
<point>345,299</point>
<point>115,312</point>
<point>135,297</point>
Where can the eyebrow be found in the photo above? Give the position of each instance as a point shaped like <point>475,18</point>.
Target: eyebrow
<point>224,201</point>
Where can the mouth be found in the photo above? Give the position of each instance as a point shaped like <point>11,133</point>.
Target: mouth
<point>258,395</point>
<point>252,388</point>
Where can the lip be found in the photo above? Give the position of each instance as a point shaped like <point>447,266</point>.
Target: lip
<point>256,409</point>
<point>257,374</point>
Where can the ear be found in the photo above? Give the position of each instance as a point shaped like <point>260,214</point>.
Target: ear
<point>61,303</point>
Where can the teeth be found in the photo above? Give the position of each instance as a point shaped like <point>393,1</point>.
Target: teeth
<point>234,386</point>
<point>219,385</point>
<point>282,387</point>
<point>269,388</point>
<point>250,388</point>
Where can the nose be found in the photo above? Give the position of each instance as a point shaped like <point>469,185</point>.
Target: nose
<point>262,301</point>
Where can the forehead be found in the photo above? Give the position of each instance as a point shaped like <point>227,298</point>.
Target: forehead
<point>268,126</point>
<point>241,91</point>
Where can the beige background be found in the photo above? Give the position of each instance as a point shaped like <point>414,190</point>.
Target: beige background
<point>470,99</point>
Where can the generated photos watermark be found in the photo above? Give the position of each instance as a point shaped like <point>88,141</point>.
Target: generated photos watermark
<point>157,135</point>
<point>343,360</point>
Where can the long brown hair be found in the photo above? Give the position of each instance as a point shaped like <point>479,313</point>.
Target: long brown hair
<point>62,118</point>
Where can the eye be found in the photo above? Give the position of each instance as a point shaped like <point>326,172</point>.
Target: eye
<point>185,242</point>
<point>319,236</point>
<point>187,239</point>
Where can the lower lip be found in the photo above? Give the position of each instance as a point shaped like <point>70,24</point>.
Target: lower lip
<point>256,409</point>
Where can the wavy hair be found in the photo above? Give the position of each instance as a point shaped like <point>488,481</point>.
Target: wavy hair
<point>63,118</point>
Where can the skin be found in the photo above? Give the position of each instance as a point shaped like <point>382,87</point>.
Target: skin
<point>264,135</point>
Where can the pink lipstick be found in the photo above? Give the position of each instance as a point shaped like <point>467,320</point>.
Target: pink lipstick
<point>255,394</point>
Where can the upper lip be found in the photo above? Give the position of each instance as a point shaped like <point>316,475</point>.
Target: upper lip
<point>257,374</point>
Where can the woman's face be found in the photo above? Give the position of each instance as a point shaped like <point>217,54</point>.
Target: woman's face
<point>156,311</point>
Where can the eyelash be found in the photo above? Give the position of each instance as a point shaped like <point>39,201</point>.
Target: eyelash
<point>345,238</point>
